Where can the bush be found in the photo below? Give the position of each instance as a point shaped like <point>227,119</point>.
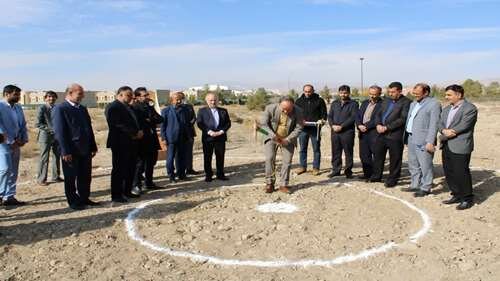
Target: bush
<point>258,101</point>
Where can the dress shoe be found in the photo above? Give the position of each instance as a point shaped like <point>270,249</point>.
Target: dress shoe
<point>183,178</point>
<point>12,201</point>
<point>465,205</point>
<point>58,179</point>
<point>77,207</point>
<point>269,188</point>
<point>300,171</point>
<point>363,177</point>
<point>452,200</point>
<point>91,203</point>
<point>409,189</point>
<point>172,180</point>
<point>119,200</point>
<point>192,172</point>
<point>43,183</point>
<point>136,190</point>
<point>223,178</point>
<point>332,174</point>
<point>390,184</point>
<point>315,172</point>
<point>208,179</point>
<point>152,187</point>
<point>285,189</point>
<point>375,180</point>
<point>348,175</point>
<point>421,193</point>
<point>131,195</point>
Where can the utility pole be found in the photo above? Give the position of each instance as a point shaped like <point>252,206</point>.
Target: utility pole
<point>362,86</point>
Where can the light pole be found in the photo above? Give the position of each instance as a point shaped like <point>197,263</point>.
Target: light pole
<point>362,88</point>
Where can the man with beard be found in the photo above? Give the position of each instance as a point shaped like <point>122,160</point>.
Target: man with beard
<point>314,113</point>
<point>365,121</point>
<point>149,145</point>
<point>16,136</point>
<point>391,122</point>
<point>189,150</point>
<point>341,118</point>
<point>123,136</point>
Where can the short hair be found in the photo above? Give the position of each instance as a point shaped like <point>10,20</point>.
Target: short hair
<point>50,94</point>
<point>123,89</point>
<point>456,88</point>
<point>137,92</point>
<point>345,88</point>
<point>10,89</point>
<point>425,87</point>
<point>308,85</point>
<point>396,85</point>
<point>287,99</point>
<point>71,87</point>
<point>376,87</point>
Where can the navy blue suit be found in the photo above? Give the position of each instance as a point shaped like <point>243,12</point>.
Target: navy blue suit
<point>176,131</point>
<point>206,122</point>
<point>367,139</point>
<point>73,131</point>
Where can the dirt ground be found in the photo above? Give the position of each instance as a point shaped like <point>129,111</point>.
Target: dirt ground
<point>44,240</point>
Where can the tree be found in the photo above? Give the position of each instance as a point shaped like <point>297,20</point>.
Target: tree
<point>258,100</point>
<point>472,88</point>
<point>293,94</point>
<point>493,89</point>
<point>203,93</point>
<point>437,92</point>
<point>355,92</point>
<point>326,94</point>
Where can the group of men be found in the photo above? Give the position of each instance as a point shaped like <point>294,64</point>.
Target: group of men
<point>383,125</point>
<point>65,131</point>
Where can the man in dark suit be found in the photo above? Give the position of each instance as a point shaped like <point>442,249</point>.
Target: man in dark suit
<point>74,134</point>
<point>456,126</point>
<point>149,145</point>
<point>123,136</point>
<point>47,142</point>
<point>214,122</point>
<point>341,118</point>
<point>367,132</point>
<point>391,121</point>
<point>189,150</point>
<point>175,133</point>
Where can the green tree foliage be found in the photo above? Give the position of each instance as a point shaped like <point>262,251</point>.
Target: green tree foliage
<point>326,94</point>
<point>472,88</point>
<point>493,89</point>
<point>437,92</point>
<point>355,92</point>
<point>258,100</point>
<point>293,94</point>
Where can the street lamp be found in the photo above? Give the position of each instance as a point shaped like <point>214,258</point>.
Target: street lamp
<point>362,88</point>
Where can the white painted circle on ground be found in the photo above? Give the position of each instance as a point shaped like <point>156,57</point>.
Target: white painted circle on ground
<point>364,254</point>
<point>277,208</point>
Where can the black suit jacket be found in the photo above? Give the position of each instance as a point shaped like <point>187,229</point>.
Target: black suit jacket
<point>343,115</point>
<point>206,122</point>
<point>148,120</point>
<point>396,121</point>
<point>73,129</point>
<point>122,125</point>
<point>370,125</point>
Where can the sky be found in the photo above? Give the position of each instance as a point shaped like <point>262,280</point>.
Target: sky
<point>277,44</point>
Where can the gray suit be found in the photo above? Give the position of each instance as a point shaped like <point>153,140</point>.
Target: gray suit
<point>457,150</point>
<point>269,121</point>
<point>463,123</point>
<point>47,143</point>
<point>423,131</point>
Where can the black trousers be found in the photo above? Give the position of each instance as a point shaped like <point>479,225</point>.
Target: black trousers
<point>189,155</point>
<point>457,174</point>
<point>77,179</point>
<point>124,161</point>
<point>342,142</point>
<point>219,147</point>
<point>367,152</point>
<point>395,147</point>
<point>146,162</point>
